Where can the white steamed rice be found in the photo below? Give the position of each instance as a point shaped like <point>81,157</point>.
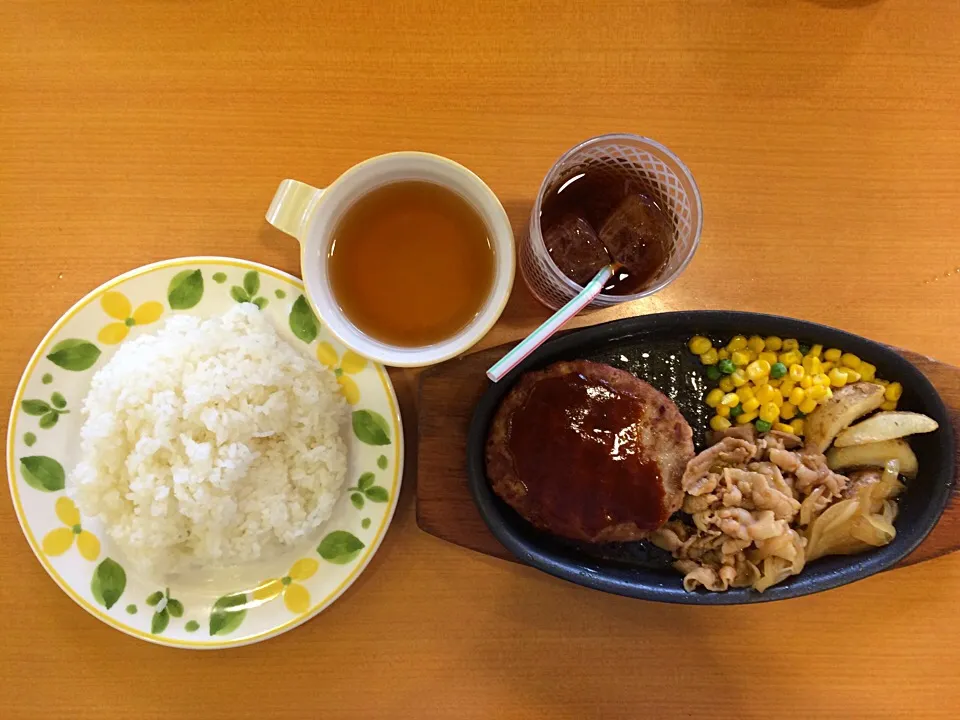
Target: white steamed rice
<point>210,443</point>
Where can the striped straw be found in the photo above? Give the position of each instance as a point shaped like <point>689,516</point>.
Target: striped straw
<point>556,321</point>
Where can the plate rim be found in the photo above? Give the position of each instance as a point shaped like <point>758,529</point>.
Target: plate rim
<point>76,307</point>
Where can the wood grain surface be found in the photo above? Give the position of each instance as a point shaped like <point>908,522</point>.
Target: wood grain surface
<point>449,393</point>
<point>824,137</point>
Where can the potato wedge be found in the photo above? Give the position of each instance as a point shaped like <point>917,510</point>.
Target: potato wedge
<point>888,425</point>
<point>874,454</point>
<point>847,404</point>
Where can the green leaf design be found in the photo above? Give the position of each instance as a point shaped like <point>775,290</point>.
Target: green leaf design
<point>340,547</point>
<point>227,614</point>
<point>154,598</point>
<point>371,428</point>
<point>49,420</point>
<point>260,302</point>
<point>219,278</point>
<point>303,323</point>
<point>109,582</point>
<point>132,609</point>
<point>357,500</point>
<point>160,621</point>
<point>175,608</point>
<point>191,626</point>
<point>377,494</point>
<point>251,282</point>
<point>42,473</point>
<point>185,290</point>
<point>280,294</point>
<point>29,439</point>
<point>239,294</point>
<point>46,379</point>
<point>35,407</point>
<point>74,354</point>
<point>365,523</point>
<point>382,462</point>
<point>58,400</point>
<point>365,481</point>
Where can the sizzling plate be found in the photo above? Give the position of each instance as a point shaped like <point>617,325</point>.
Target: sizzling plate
<point>653,347</point>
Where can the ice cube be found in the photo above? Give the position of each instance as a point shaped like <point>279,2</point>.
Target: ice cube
<point>575,248</point>
<point>638,234</point>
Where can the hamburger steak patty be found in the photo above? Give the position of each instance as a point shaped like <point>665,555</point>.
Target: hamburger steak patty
<point>589,452</point>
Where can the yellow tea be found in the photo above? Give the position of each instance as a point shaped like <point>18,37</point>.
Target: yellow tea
<point>411,263</point>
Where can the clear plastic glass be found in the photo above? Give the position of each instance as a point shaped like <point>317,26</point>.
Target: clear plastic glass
<point>654,167</point>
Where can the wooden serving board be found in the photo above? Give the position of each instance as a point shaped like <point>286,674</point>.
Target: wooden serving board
<point>448,394</point>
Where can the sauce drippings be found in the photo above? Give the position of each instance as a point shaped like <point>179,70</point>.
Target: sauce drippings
<point>574,446</point>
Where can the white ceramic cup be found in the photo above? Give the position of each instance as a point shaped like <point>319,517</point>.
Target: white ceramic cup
<point>311,215</point>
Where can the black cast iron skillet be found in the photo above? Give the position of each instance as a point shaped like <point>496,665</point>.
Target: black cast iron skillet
<point>654,348</point>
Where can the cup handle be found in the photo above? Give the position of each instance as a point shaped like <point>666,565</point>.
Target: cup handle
<point>292,206</point>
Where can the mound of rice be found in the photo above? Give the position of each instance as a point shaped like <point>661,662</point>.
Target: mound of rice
<point>210,443</point>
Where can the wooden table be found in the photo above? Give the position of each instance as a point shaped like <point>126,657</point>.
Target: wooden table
<point>824,136</point>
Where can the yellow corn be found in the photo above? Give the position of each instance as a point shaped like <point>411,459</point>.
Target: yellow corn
<point>786,387</point>
<point>768,357</point>
<point>758,369</point>
<point>714,397</point>
<point>739,358</point>
<point>796,372</point>
<point>788,411</point>
<point>738,342</point>
<point>775,382</point>
<point>850,360</point>
<point>790,344</point>
<point>730,400</point>
<point>821,379</point>
<point>853,376</point>
<point>745,418</point>
<point>838,378</point>
<point>710,357</point>
<point>699,344</point>
<point>745,393</point>
<point>893,392</point>
<point>833,354</point>
<point>769,412</point>
<point>880,381</point>
<point>868,372</point>
<point>807,382</point>
<point>797,426</point>
<point>723,354</point>
<point>751,354</point>
<point>766,393</point>
<point>816,351</point>
<point>889,405</point>
<point>782,427</point>
<point>827,366</point>
<point>726,384</point>
<point>751,405</point>
<point>739,377</point>
<point>817,392</point>
<point>756,343</point>
<point>723,410</point>
<point>761,381</point>
<point>774,343</point>
<point>777,400</point>
<point>807,406</point>
<point>791,357</point>
<point>719,423</point>
<point>811,365</point>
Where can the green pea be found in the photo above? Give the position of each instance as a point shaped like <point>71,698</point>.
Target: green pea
<point>713,372</point>
<point>778,370</point>
<point>726,366</point>
<point>735,411</point>
<point>804,349</point>
<point>763,425</point>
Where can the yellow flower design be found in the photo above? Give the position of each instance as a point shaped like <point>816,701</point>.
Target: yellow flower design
<point>349,364</point>
<point>57,542</point>
<point>296,597</point>
<point>117,306</point>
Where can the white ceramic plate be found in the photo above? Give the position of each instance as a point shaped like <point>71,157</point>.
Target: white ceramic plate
<point>227,607</point>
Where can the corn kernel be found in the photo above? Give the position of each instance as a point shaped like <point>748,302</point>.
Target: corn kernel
<point>833,354</point>
<point>791,358</point>
<point>853,376</point>
<point>829,394</point>
<point>699,344</point>
<point>756,343</point>
<point>710,357</point>
<point>787,387</point>
<point>730,400</point>
<point>757,369</point>
<point>817,392</point>
<point>796,372</point>
<point>807,406</point>
<point>744,393</point>
<point>719,423</point>
<point>889,405</point>
<point>777,400</point>
<point>880,381</point>
<point>797,426</point>
<point>723,410</point>
<point>723,354</point>
<point>774,343</point>
<point>893,392</point>
<point>738,378</point>
<point>807,382</point>
<point>782,427</point>
<point>850,360</point>
<point>761,381</point>
<point>769,412</point>
<point>751,354</point>
<point>816,351</point>
<point>740,358</point>
<point>714,397</point>
<point>751,405</point>
<point>868,372</point>
<point>738,342</point>
<point>827,366</point>
<point>788,411</point>
<point>811,365</point>
<point>726,384</point>
<point>838,378</point>
<point>766,392</point>
<point>790,344</point>
<point>746,418</point>
<point>821,379</point>
<point>775,382</point>
<point>769,357</point>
